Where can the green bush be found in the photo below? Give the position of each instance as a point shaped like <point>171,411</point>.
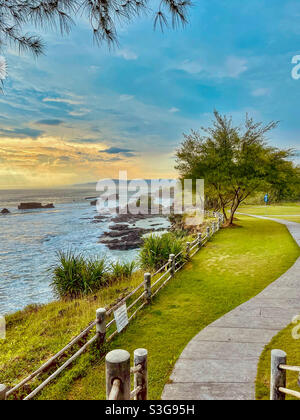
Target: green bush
<point>122,270</point>
<point>156,250</point>
<point>75,276</point>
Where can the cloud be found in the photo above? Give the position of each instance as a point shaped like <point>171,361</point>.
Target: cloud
<point>118,151</point>
<point>261,92</point>
<point>80,113</point>
<point>127,54</point>
<point>124,98</point>
<point>191,67</point>
<point>234,66</point>
<point>94,69</point>
<point>173,110</point>
<point>49,122</point>
<point>83,141</point>
<point>63,101</point>
<point>64,158</point>
<point>20,132</point>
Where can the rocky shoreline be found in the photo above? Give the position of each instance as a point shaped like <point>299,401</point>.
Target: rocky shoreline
<point>123,234</point>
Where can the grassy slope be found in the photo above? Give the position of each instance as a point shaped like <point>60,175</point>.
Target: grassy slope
<point>283,341</point>
<point>234,267</point>
<point>35,334</point>
<point>272,210</point>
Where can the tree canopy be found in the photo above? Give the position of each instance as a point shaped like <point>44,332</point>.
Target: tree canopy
<point>103,16</point>
<point>236,162</point>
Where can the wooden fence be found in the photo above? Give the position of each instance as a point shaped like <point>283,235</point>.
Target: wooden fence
<point>279,368</point>
<point>105,321</point>
<point>118,371</point>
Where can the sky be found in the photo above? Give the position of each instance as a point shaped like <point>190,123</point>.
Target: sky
<point>81,112</point>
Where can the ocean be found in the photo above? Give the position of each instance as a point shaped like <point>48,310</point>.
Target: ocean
<point>30,241</point>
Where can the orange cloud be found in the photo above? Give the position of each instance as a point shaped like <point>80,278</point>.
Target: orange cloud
<point>51,161</point>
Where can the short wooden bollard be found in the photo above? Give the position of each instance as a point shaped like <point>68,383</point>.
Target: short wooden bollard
<point>141,378</point>
<point>101,325</point>
<point>208,231</point>
<point>3,390</point>
<point>199,236</point>
<point>219,223</point>
<point>118,367</point>
<point>147,286</point>
<point>172,262</point>
<point>278,376</point>
<point>214,228</point>
<point>188,249</point>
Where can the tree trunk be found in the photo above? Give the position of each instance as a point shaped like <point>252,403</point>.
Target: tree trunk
<point>234,208</point>
<point>224,213</point>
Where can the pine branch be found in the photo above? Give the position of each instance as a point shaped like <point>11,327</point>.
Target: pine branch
<point>59,14</point>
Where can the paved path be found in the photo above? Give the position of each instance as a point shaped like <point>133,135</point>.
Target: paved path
<point>221,361</point>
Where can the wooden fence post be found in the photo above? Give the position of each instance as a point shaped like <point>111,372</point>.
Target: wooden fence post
<point>101,325</point>
<point>208,232</point>
<point>118,367</point>
<point>147,286</point>
<point>141,378</point>
<point>199,240</point>
<point>278,376</point>
<point>3,391</point>
<point>188,248</point>
<point>172,262</point>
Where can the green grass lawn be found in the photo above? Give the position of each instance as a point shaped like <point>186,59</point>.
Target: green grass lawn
<point>283,341</point>
<point>271,210</point>
<point>236,265</point>
<point>38,332</point>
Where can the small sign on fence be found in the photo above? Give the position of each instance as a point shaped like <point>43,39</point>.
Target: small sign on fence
<point>121,317</point>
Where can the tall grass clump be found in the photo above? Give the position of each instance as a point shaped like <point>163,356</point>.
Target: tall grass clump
<point>75,276</point>
<point>157,248</point>
<point>122,270</point>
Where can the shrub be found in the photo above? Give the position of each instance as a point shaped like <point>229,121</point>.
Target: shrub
<point>121,270</point>
<point>156,250</point>
<point>75,276</point>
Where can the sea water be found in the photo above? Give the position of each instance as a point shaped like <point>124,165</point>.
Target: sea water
<point>30,240</point>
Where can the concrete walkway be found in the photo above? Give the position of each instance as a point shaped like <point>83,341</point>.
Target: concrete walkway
<point>220,363</point>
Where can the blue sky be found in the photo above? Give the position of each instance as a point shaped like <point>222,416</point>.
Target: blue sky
<point>81,112</point>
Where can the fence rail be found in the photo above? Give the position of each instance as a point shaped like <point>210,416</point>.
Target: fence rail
<point>279,368</point>
<point>105,317</point>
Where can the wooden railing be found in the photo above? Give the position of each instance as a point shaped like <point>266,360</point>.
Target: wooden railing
<point>105,321</point>
<point>279,368</point>
<point>118,371</point>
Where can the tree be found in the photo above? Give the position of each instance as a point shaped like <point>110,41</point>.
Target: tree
<point>235,162</point>
<point>103,16</point>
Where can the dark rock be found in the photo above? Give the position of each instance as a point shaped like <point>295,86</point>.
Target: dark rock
<point>94,202</point>
<point>99,217</point>
<point>5,211</point>
<point>118,227</point>
<point>129,238</point>
<point>31,206</point>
